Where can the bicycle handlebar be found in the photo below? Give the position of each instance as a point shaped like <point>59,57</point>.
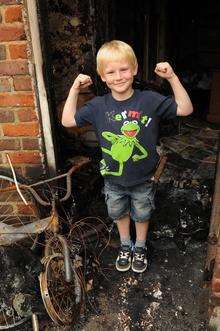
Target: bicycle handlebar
<point>78,163</point>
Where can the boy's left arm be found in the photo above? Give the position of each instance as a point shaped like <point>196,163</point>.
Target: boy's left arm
<point>184,104</point>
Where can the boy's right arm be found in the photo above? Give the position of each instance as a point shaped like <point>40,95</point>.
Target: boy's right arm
<point>69,110</point>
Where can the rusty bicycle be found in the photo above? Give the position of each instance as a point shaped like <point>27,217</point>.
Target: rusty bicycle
<point>21,221</point>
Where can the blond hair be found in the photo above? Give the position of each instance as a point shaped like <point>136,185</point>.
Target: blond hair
<point>115,50</point>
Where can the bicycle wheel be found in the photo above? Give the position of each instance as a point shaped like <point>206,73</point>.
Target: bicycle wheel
<point>62,300</point>
<point>9,322</point>
<point>14,213</point>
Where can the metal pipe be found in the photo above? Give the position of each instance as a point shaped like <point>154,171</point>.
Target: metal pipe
<point>67,260</point>
<point>35,322</point>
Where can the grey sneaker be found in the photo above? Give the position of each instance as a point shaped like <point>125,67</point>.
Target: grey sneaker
<point>139,262</point>
<point>123,262</point>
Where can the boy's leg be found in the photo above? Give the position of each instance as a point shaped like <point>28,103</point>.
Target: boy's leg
<point>141,233</point>
<point>123,262</point>
<point>142,205</point>
<point>123,225</point>
<point>119,209</point>
<point>139,262</point>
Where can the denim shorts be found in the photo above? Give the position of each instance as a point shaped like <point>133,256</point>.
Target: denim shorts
<point>136,201</point>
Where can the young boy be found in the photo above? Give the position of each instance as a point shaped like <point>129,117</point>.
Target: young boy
<point>126,123</point>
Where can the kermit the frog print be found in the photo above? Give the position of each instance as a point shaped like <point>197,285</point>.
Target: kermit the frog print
<point>122,147</point>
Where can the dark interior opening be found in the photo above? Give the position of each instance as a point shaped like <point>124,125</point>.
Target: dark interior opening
<point>186,35</point>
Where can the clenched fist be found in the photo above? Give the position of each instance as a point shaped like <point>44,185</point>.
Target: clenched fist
<point>164,70</point>
<point>81,81</point>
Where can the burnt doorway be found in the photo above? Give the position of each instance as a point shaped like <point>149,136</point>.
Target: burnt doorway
<point>72,32</point>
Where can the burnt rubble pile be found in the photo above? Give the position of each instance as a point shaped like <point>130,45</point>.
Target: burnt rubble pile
<point>19,290</point>
<point>183,197</point>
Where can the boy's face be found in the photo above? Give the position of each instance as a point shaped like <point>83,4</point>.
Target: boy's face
<point>119,76</point>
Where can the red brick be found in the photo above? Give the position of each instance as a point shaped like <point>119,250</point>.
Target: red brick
<point>216,286</point>
<point>27,115</point>
<point>6,116</point>
<point>10,68</point>
<point>11,33</point>
<point>29,143</point>
<point>19,130</point>
<point>2,52</point>
<point>22,83</point>
<point>217,260</point>
<point>5,85</point>
<point>16,99</point>
<point>18,51</point>
<point>17,169</point>
<point>25,157</point>
<point>9,144</point>
<point>13,14</point>
<point>10,2</point>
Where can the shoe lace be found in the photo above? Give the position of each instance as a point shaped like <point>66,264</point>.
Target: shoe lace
<point>124,254</point>
<point>139,256</point>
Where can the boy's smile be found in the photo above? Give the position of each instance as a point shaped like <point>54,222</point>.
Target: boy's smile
<point>119,76</point>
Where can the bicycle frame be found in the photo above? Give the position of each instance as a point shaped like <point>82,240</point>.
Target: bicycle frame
<point>40,225</point>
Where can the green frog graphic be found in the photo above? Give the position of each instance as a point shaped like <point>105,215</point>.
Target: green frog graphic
<point>122,147</point>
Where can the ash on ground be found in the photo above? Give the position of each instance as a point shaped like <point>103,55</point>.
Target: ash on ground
<point>168,296</point>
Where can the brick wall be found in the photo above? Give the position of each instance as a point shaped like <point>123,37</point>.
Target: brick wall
<point>19,125</point>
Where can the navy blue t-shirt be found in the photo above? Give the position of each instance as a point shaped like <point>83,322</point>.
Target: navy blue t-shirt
<point>127,132</point>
